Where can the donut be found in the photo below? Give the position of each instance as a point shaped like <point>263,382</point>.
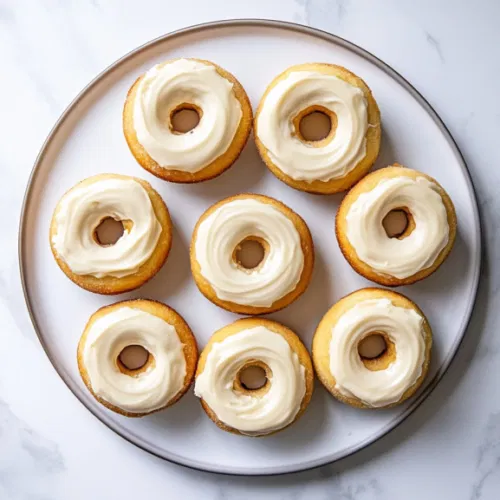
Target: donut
<point>383,381</point>
<point>261,343</point>
<point>280,278</point>
<point>345,155</point>
<point>415,253</point>
<point>212,146</point>
<point>169,368</point>
<point>135,257</point>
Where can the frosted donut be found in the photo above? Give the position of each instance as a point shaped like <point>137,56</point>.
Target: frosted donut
<point>212,146</point>
<point>254,343</point>
<point>339,160</point>
<point>415,253</point>
<point>167,372</point>
<point>388,379</point>
<point>137,255</point>
<point>281,277</point>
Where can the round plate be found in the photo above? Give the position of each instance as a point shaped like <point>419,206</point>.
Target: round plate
<point>88,139</point>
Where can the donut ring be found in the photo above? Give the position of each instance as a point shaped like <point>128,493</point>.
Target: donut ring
<point>168,371</point>
<point>367,383</point>
<point>420,249</point>
<point>265,344</point>
<point>278,280</point>
<point>135,258</point>
<point>208,149</point>
<point>336,162</point>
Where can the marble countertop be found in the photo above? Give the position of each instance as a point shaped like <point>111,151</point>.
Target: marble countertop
<point>52,448</point>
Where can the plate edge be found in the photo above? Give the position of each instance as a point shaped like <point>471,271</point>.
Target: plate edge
<point>315,32</point>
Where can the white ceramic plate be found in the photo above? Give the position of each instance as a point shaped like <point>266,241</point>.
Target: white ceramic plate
<point>88,139</point>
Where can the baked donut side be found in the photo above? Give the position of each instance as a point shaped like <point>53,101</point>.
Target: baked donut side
<point>424,244</point>
<point>363,382</point>
<point>187,162</point>
<point>99,279</point>
<point>351,147</point>
<point>265,344</point>
<point>168,335</point>
<point>278,280</point>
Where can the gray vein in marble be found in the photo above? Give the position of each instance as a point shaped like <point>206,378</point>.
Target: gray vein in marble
<point>324,13</point>
<point>341,486</point>
<point>305,4</point>
<point>24,451</point>
<point>488,457</point>
<point>338,484</point>
<point>6,15</point>
<point>467,120</point>
<point>41,452</point>
<point>434,43</point>
<point>356,490</point>
<point>342,8</point>
<point>11,294</point>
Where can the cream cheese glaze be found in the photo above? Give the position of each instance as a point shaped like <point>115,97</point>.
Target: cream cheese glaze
<point>83,208</point>
<point>167,86</point>
<point>221,232</point>
<point>251,415</point>
<point>149,390</point>
<point>405,257</point>
<point>403,326</point>
<point>299,160</point>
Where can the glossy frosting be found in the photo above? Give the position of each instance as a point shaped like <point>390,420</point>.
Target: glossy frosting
<point>403,326</point>
<point>162,90</point>
<point>151,389</point>
<point>399,258</point>
<point>253,415</point>
<point>221,232</point>
<point>299,160</point>
<point>83,208</point>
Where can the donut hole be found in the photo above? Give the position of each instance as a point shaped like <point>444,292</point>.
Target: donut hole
<point>109,231</point>
<point>372,346</point>
<point>376,351</point>
<point>253,378</point>
<point>250,253</point>
<point>315,125</point>
<point>134,360</point>
<point>184,118</point>
<point>398,223</point>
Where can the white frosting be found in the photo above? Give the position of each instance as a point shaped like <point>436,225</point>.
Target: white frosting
<point>83,208</point>
<point>221,232</point>
<point>149,390</point>
<point>391,256</point>
<point>169,85</point>
<point>302,161</point>
<point>403,326</point>
<point>251,414</point>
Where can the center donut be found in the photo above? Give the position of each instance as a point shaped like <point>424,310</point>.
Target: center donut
<point>282,275</point>
<point>261,343</point>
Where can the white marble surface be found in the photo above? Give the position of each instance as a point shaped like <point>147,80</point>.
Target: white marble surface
<point>52,448</point>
